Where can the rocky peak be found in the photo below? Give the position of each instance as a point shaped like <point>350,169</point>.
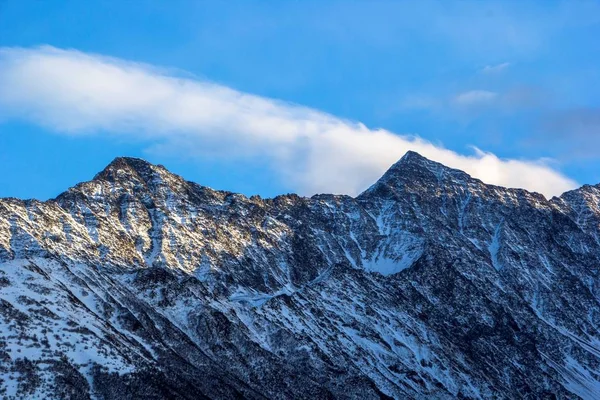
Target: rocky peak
<point>134,176</point>
<point>412,157</point>
<point>126,168</point>
<point>414,171</point>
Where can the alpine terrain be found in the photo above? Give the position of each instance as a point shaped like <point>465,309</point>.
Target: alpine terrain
<point>430,284</point>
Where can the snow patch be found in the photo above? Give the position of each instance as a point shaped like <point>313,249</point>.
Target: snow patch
<point>399,255</point>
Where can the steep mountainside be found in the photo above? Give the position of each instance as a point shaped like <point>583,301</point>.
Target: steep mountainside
<point>430,284</point>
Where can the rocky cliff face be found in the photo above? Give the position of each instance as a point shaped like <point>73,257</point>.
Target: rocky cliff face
<point>430,284</point>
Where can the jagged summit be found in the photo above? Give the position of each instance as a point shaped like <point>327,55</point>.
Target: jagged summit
<point>413,168</point>
<point>413,157</point>
<point>413,162</point>
<point>125,166</point>
<point>126,178</point>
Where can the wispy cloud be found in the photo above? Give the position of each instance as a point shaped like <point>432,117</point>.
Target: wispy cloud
<point>510,100</point>
<point>474,98</point>
<point>77,93</point>
<point>494,69</point>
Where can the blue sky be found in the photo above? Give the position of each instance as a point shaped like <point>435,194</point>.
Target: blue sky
<point>273,97</point>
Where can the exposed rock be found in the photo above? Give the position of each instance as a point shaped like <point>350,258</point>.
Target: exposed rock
<point>430,284</point>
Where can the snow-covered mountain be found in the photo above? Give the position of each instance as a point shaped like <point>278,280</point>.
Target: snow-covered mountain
<point>430,284</point>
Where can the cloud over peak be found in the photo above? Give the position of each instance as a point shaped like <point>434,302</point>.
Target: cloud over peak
<point>77,93</point>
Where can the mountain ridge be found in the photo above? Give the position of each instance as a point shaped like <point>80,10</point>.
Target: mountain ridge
<point>428,284</point>
<point>415,155</point>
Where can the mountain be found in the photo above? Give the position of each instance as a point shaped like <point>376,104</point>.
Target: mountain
<point>430,284</point>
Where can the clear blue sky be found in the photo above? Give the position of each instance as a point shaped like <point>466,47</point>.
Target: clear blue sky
<point>520,80</point>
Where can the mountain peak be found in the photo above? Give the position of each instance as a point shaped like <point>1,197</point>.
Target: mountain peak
<point>131,175</point>
<point>125,166</point>
<point>414,159</point>
<point>413,156</point>
<point>410,169</point>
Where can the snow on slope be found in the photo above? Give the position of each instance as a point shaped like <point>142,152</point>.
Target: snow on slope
<point>430,284</point>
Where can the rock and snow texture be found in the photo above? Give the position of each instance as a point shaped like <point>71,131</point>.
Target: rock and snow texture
<point>430,284</point>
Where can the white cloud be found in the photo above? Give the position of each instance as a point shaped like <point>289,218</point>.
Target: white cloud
<point>494,69</point>
<point>77,93</point>
<point>475,98</point>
